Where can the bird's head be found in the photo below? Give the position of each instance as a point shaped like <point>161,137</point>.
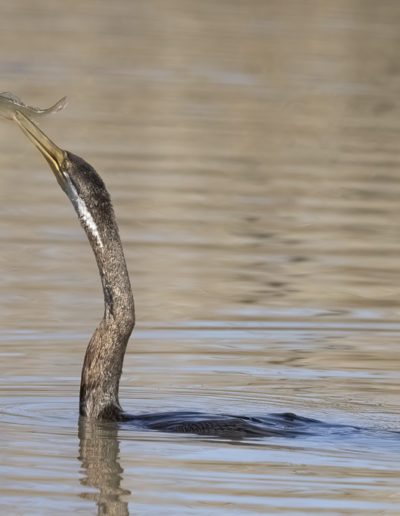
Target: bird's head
<point>79,180</point>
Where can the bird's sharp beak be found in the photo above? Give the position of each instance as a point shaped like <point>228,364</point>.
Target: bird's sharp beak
<point>56,157</point>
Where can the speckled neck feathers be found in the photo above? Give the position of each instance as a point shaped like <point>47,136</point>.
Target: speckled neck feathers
<point>104,357</point>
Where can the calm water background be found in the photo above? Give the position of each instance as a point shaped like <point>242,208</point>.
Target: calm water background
<point>252,153</point>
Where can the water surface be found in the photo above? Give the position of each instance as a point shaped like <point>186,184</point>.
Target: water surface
<point>252,154</point>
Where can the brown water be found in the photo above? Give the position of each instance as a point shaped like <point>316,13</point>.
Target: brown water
<point>252,153</point>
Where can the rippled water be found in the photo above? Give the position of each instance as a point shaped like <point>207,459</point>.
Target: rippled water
<point>252,153</point>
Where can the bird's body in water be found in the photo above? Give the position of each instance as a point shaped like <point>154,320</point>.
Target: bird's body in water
<point>102,366</point>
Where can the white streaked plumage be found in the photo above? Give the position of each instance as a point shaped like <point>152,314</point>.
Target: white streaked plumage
<point>84,214</point>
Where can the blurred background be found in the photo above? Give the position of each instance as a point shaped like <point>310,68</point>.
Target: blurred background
<point>248,147</point>
<point>251,149</point>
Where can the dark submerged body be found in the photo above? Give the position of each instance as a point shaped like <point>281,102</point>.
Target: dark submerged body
<point>225,425</point>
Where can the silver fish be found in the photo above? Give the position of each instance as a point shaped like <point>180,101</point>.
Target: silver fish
<point>10,103</point>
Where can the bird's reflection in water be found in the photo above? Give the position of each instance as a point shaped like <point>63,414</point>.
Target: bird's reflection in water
<point>99,456</point>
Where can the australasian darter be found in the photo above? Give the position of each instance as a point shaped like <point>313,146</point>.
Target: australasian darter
<point>102,366</point>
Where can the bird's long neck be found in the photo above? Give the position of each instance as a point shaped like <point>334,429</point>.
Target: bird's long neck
<point>104,357</point>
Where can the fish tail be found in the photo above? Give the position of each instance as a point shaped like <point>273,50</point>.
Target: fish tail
<point>58,106</point>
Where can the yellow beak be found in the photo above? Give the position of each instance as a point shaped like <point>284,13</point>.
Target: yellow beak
<point>55,157</point>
